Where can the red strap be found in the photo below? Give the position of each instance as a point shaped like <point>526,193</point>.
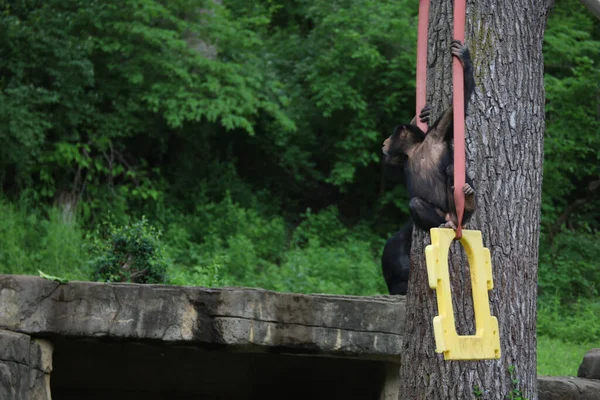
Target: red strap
<point>458,97</point>
<point>422,60</point>
<point>459,116</point>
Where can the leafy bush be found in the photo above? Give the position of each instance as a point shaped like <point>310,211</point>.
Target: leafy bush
<point>349,267</point>
<point>201,275</point>
<point>327,257</point>
<point>131,253</point>
<point>320,229</point>
<point>225,243</point>
<point>576,323</point>
<point>36,238</point>
<point>568,268</point>
<point>244,239</point>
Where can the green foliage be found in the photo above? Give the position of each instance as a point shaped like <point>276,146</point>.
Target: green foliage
<point>569,250</point>
<point>131,253</point>
<point>477,392</point>
<point>252,249</point>
<point>351,267</point>
<point>515,393</point>
<point>209,275</point>
<point>576,323</point>
<point>323,228</point>
<point>246,240</point>
<point>34,238</point>
<point>558,358</point>
<point>572,81</point>
<point>568,268</point>
<point>81,78</point>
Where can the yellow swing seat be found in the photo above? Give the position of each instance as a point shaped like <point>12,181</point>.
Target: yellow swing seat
<point>485,344</point>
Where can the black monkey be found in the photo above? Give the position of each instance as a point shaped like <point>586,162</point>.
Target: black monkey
<point>395,261</point>
<point>429,164</point>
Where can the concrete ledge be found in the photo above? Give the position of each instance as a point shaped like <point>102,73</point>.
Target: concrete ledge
<point>238,318</point>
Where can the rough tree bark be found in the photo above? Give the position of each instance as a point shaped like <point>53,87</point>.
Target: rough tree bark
<point>505,128</point>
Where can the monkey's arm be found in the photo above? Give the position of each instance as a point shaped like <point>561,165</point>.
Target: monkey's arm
<point>443,127</point>
<point>462,53</point>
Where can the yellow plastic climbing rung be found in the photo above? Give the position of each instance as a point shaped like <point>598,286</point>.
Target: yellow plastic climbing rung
<point>485,344</point>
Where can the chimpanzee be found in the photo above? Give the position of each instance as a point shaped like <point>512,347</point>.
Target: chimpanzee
<point>395,261</point>
<point>429,160</point>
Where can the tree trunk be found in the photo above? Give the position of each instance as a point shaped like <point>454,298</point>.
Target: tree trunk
<point>505,129</point>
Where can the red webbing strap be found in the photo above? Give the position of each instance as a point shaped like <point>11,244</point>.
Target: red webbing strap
<point>422,60</point>
<point>459,116</point>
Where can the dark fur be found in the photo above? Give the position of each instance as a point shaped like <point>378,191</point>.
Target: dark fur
<point>429,158</point>
<point>395,261</point>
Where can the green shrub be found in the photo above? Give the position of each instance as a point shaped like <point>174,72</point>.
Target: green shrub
<point>576,322</point>
<point>348,268</point>
<point>36,238</point>
<point>327,257</point>
<point>243,238</point>
<point>131,253</point>
<point>226,243</point>
<point>62,247</point>
<point>209,275</point>
<point>569,267</point>
<point>320,229</point>
<point>17,238</point>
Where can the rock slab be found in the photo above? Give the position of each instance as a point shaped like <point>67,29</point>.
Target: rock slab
<point>25,367</point>
<point>240,318</point>
<point>567,388</point>
<point>590,366</point>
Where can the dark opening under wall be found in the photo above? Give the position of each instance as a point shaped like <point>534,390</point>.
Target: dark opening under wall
<point>102,369</point>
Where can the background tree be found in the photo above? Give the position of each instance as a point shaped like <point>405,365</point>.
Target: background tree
<point>505,142</point>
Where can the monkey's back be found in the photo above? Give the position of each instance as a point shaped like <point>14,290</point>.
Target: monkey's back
<point>426,172</point>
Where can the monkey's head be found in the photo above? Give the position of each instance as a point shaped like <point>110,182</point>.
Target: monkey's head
<point>401,143</point>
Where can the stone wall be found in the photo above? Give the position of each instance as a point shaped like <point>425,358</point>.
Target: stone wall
<point>25,367</point>
<point>85,340</point>
<point>128,341</point>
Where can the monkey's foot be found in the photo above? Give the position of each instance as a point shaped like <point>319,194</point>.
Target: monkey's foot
<point>448,224</point>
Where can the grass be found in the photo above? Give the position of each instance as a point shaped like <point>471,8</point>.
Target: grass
<point>558,358</point>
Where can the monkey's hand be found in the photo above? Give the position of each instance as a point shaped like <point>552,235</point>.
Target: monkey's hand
<point>425,113</point>
<point>468,190</point>
<point>460,51</point>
